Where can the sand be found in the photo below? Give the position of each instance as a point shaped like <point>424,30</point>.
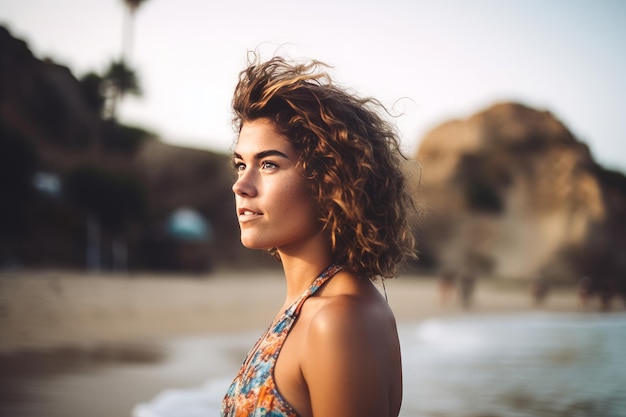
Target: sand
<point>40,309</point>
<point>75,344</point>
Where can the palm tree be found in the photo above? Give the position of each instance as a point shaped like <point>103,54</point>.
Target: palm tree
<point>127,39</point>
<point>119,80</point>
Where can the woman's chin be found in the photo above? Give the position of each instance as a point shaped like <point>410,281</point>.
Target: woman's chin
<point>254,244</point>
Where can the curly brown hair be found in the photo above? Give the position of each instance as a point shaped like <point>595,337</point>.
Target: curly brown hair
<point>348,152</point>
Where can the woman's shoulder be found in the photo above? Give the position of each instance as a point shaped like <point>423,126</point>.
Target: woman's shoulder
<point>351,347</point>
<point>349,306</point>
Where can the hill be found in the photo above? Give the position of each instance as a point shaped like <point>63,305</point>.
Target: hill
<point>83,191</point>
<point>510,192</point>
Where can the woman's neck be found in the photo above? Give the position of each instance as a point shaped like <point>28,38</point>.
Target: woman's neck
<point>302,267</point>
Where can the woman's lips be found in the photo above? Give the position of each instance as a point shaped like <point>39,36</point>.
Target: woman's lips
<point>246,214</point>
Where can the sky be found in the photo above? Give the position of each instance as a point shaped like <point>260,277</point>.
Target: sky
<point>428,61</point>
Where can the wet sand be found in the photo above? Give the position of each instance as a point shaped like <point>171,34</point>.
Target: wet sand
<point>76,344</point>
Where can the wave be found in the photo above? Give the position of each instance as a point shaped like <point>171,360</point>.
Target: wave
<point>521,365</point>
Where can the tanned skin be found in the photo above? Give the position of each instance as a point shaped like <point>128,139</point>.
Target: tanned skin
<point>342,357</point>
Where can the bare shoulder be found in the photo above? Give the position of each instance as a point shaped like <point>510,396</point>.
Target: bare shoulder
<point>352,313</point>
<point>351,356</point>
<point>358,306</point>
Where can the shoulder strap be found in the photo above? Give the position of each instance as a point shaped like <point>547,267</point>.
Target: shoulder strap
<point>315,285</point>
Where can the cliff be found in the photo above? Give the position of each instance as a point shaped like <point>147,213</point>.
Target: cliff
<point>81,191</point>
<point>510,192</point>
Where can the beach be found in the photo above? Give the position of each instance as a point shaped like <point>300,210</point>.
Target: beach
<point>42,309</point>
<point>73,343</point>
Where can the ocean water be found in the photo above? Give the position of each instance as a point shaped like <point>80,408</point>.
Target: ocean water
<point>531,365</point>
<point>526,365</point>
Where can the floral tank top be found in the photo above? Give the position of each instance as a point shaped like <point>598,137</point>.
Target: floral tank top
<point>253,393</point>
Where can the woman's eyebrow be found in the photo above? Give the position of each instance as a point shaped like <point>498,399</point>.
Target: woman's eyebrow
<point>264,154</point>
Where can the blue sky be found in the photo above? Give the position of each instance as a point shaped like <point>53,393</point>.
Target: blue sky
<point>430,60</point>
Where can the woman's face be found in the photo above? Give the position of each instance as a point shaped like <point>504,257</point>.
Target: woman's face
<point>274,206</point>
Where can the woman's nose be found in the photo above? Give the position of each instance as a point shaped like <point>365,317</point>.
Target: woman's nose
<point>244,185</point>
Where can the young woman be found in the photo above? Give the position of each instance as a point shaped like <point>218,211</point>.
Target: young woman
<point>319,184</point>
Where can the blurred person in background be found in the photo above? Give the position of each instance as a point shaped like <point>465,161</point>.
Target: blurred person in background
<point>446,285</point>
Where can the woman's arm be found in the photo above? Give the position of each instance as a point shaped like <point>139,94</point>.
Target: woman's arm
<point>351,362</point>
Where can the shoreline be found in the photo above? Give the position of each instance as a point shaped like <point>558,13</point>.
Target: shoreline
<point>76,344</point>
<point>46,309</point>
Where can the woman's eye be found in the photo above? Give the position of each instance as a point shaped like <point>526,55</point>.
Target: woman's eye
<point>239,166</point>
<point>268,165</point>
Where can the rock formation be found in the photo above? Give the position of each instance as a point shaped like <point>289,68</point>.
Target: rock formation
<point>510,192</point>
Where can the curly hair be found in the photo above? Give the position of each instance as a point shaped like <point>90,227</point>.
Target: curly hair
<point>350,155</point>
